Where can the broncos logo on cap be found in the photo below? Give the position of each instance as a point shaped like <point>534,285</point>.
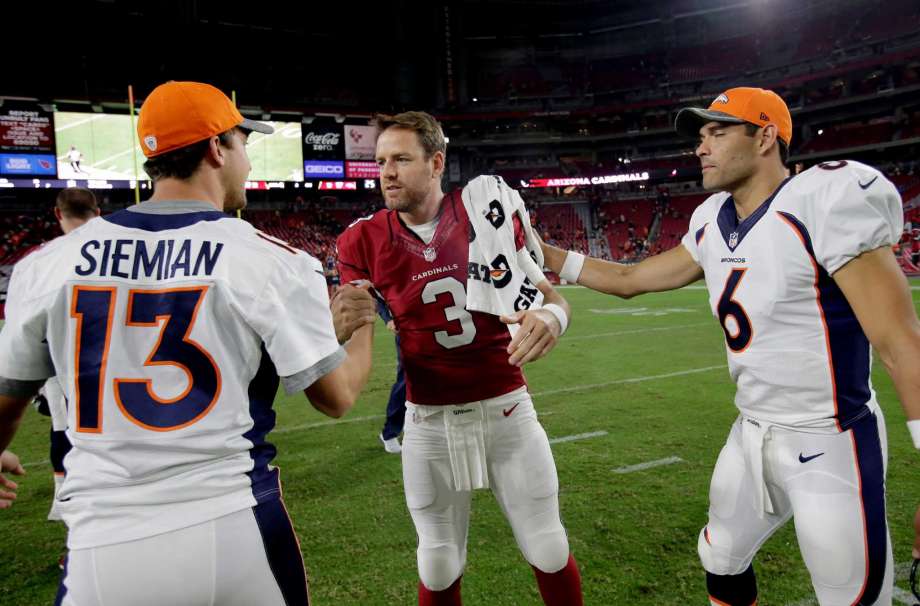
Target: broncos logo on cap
<point>723,98</point>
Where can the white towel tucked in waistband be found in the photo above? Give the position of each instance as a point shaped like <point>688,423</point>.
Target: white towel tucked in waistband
<point>465,429</point>
<point>753,434</point>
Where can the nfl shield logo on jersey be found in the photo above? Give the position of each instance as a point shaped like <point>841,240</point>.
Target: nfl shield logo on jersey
<point>733,240</point>
<point>429,254</point>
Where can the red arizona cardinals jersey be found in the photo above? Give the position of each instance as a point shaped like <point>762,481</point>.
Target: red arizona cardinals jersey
<point>450,355</point>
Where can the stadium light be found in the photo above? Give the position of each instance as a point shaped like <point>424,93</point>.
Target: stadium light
<point>339,118</point>
<point>307,119</point>
<point>820,131</point>
<point>475,99</point>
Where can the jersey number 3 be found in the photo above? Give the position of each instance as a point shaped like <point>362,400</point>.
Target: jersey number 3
<point>456,312</point>
<point>173,311</point>
<point>739,335</point>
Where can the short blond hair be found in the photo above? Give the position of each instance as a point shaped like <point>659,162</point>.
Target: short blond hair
<point>428,129</point>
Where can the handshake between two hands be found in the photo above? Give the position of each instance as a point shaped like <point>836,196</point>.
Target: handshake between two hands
<point>353,306</point>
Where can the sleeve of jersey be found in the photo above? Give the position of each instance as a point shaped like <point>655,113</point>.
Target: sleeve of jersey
<point>292,316</point>
<point>861,211</point>
<point>24,354</point>
<point>351,263</point>
<point>695,233</point>
<point>533,271</point>
<point>519,238</point>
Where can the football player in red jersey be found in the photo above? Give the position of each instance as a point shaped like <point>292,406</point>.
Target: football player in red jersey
<point>470,422</point>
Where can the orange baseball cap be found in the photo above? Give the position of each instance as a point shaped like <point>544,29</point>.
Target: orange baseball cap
<point>738,106</point>
<point>177,114</point>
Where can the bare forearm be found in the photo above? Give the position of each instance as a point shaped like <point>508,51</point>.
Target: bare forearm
<point>903,364</point>
<point>336,392</point>
<point>551,295</point>
<point>358,363</point>
<point>602,276</point>
<point>553,257</point>
<point>669,270</point>
<point>608,277</point>
<point>11,410</point>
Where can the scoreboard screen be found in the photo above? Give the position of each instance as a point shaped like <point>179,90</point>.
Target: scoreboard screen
<point>104,146</point>
<point>26,139</point>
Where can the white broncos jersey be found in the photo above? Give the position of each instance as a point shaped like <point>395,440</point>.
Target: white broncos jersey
<point>168,326</point>
<point>796,352</point>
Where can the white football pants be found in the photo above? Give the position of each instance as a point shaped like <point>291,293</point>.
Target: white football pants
<point>244,558</point>
<point>518,467</point>
<point>831,484</point>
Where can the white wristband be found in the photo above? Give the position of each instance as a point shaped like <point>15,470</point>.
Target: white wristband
<point>914,428</point>
<point>560,315</point>
<point>571,268</point>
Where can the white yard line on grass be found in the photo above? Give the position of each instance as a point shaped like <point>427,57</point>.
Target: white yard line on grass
<point>637,331</point>
<point>79,122</point>
<point>579,436</point>
<point>110,158</point>
<point>679,373</point>
<point>648,465</point>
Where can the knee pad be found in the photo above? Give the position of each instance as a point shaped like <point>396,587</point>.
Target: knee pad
<point>547,551</point>
<point>718,559</point>
<point>439,567</point>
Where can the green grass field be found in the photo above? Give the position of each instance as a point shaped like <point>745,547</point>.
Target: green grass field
<point>107,140</point>
<point>650,372</point>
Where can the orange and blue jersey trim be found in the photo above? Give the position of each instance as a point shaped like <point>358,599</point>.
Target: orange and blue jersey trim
<point>848,350</point>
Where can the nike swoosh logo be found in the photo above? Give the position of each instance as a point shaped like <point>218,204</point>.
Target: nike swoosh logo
<point>866,186</point>
<point>508,412</point>
<point>807,459</point>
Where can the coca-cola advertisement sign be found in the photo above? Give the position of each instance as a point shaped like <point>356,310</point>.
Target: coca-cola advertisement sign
<point>323,142</point>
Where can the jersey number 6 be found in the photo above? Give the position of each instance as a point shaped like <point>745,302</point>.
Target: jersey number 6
<point>173,311</point>
<point>739,336</point>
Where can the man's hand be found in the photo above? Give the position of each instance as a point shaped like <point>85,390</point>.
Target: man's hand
<point>535,338</point>
<point>9,463</point>
<point>352,307</point>
<point>391,326</point>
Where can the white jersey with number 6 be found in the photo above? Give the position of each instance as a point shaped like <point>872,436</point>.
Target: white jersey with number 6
<point>795,348</point>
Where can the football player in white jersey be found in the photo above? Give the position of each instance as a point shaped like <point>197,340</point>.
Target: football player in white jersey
<point>802,278</point>
<point>170,326</point>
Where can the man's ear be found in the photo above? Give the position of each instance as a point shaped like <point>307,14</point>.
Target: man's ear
<point>768,137</point>
<point>216,154</point>
<point>438,160</point>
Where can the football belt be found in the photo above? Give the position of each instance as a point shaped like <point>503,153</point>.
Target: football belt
<point>915,579</point>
